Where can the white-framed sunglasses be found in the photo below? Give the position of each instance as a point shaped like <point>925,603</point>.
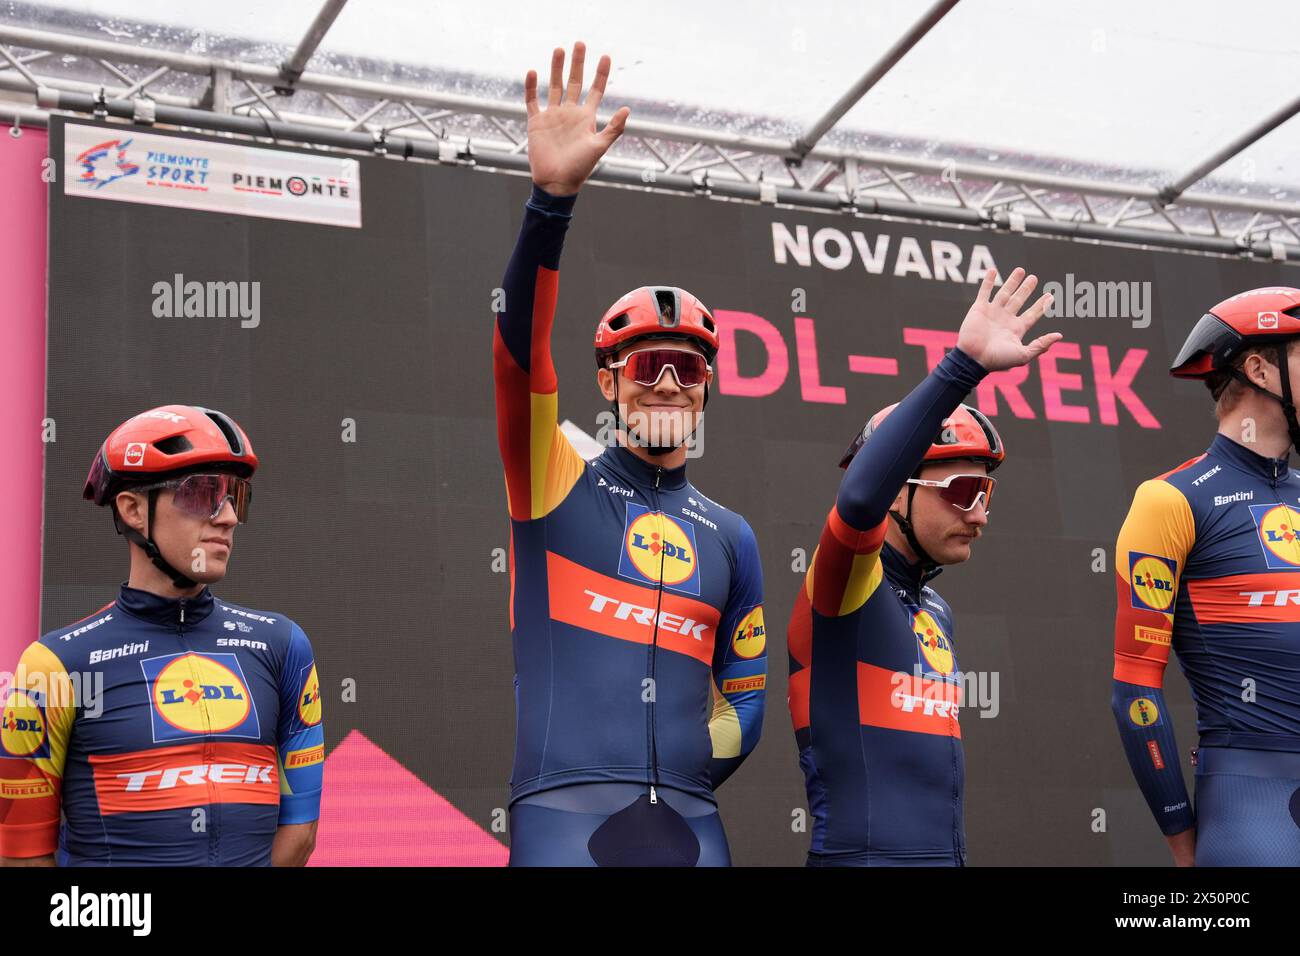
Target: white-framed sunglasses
<point>963,492</point>
<point>646,366</point>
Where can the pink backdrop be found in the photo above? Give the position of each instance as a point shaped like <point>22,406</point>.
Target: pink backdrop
<point>22,385</point>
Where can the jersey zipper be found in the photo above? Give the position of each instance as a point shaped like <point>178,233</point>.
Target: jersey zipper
<point>654,653</point>
<point>212,823</point>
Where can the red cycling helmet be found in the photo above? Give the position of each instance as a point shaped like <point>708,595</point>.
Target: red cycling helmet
<point>1248,319</point>
<point>966,433</point>
<point>658,310</point>
<point>164,442</point>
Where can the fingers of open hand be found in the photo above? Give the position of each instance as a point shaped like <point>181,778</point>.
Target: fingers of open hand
<point>1021,295</point>
<point>598,84</point>
<point>555,90</point>
<point>1037,310</point>
<point>1009,287</point>
<point>530,93</point>
<point>1044,342</point>
<point>574,92</point>
<point>986,287</point>
<point>614,128</point>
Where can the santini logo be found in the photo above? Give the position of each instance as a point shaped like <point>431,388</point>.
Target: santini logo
<point>103,909</point>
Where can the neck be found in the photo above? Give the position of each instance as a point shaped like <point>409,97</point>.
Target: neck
<point>894,537</point>
<point>673,459</point>
<point>1261,428</point>
<point>146,577</point>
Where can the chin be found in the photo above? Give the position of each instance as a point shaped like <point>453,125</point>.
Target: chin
<point>957,553</point>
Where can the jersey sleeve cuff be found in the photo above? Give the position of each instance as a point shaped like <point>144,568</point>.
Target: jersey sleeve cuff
<point>961,368</point>
<point>24,841</point>
<point>544,202</point>
<point>299,807</point>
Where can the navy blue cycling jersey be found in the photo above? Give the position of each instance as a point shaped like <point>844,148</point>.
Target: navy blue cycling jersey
<point>1208,566</point>
<point>874,685</point>
<point>168,732</point>
<point>636,605</point>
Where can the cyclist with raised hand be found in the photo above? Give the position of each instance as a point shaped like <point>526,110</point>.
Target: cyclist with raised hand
<point>168,728</point>
<point>636,602</point>
<point>1208,565</point>
<point>874,685</point>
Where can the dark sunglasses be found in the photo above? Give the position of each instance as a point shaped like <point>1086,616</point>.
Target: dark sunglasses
<point>205,495</point>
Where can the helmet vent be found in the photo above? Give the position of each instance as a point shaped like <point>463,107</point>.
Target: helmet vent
<point>174,445</point>
<point>666,303</point>
<point>228,429</point>
<point>708,323</point>
<point>618,322</point>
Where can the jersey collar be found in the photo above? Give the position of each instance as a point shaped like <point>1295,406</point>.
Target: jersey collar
<point>165,612</point>
<point>642,472</point>
<point>1271,469</point>
<point>902,572</point>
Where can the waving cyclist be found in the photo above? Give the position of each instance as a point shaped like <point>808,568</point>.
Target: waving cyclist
<point>168,728</point>
<point>1208,566</point>
<point>636,602</point>
<point>874,685</point>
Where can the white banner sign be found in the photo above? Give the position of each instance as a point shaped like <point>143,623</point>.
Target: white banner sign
<point>102,162</point>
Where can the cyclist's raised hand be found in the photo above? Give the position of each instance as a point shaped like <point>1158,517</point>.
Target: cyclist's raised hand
<point>563,143</point>
<point>992,332</point>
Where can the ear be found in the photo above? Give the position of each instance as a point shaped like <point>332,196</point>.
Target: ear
<point>605,382</point>
<point>899,500</point>
<point>132,510</point>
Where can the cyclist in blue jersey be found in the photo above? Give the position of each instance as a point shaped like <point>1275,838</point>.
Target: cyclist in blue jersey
<point>1208,566</point>
<point>168,728</point>
<point>874,684</point>
<point>636,602</point>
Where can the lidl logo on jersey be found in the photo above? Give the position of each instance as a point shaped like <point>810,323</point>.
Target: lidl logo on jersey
<point>22,725</point>
<point>1276,524</point>
<point>933,642</point>
<point>309,696</point>
<point>1151,581</point>
<point>199,695</point>
<point>658,547</point>
<point>750,638</point>
<point>1143,712</point>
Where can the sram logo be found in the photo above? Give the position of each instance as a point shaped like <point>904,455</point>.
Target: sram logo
<point>626,610</point>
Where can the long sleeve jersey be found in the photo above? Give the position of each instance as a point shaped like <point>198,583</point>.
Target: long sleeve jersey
<point>636,603</point>
<point>164,733</point>
<point>1208,565</point>
<point>874,684</point>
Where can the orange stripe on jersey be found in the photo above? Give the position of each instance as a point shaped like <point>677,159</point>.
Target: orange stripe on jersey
<point>908,702</point>
<point>190,775</point>
<point>1247,598</point>
<point>546,290</point>
<point>620,609</point>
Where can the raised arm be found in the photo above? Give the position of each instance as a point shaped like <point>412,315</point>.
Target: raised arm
<point>847,561</point>
<point>563,148</point>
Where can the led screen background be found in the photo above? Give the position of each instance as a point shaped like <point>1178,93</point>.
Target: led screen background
<point>386,549</point>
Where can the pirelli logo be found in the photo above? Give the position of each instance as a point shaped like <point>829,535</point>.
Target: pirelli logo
<point>304,758</point>
<point>25,789</point>
<point>1152,635</point>
<point>1157,760</point>
<point>737,684</point>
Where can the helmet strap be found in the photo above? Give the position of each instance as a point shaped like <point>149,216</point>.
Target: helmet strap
<point>147,545</point>
<point>926,562</point>
<point>1285,399</point>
